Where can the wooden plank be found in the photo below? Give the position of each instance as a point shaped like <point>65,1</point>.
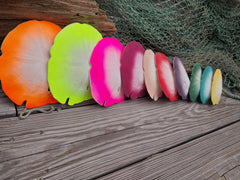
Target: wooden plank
<point>59,106</point>
<point>216,177</point>
<point>92,140</point>
<point>61,12</point>
<point>116,117</point>
<point>233,174</point>
<point>7,107</point>
<point>191,161</point>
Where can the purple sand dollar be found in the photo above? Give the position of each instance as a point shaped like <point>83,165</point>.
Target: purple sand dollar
<point>181,78</point>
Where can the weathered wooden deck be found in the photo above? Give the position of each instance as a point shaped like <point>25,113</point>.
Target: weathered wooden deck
<point>137,139</point>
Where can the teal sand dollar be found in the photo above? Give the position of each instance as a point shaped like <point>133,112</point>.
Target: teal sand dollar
<point>206,84</point>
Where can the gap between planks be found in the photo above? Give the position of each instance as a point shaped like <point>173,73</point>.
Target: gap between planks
<point>57,106</point>
<point>167,149</point>
<point>233,174</point>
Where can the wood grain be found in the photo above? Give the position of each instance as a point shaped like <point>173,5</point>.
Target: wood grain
<point>216,152</point>
<point>61,12</point>
<point>216,177</point>
<point>7,108</point>
<point>233,174</point>
<point>90,141</point>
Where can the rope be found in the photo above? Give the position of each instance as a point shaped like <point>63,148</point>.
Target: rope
<point>24,114</point>
<point>231,82</point>
<point>230,94</point>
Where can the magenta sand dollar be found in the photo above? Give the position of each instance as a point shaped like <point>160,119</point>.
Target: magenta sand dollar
<point>105,77</point>
<point>132,70</point>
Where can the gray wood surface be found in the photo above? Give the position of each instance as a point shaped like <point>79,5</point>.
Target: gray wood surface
<point>91,141</point>
<point>233,174</point>
<point>199,159</point>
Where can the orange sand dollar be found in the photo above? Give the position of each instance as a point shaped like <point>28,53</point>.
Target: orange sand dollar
<point>24,62</point>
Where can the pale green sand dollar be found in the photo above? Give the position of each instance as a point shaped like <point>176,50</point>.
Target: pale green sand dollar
<point>68,67</point>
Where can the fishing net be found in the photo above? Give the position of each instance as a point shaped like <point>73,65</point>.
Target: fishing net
<point>197,31</point>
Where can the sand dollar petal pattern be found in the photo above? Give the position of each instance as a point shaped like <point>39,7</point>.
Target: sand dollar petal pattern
<point>68,68</point>
<point>105,76</point>
<point>24,61</point>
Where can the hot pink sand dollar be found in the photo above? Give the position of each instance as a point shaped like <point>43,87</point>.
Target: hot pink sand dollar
<point>166,77</point>
<point>132,70</point>
<point>105,77</point>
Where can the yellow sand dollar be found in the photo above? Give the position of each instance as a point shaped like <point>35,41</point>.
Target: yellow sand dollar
<point>216,90</point>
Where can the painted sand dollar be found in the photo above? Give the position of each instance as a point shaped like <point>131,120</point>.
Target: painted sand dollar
<point>206,84</point>
<point>150,75</point>
<point>181,77</point>
<point>195,83</point>
<point>68,68</point>
<point>24,61</point>
<point>166,77</point>
<point>105,76</point>
<point>216,90</point>
<point>132,70</point>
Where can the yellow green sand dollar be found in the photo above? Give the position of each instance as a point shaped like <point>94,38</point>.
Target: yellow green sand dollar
<point>216,90</point>
<point>194,90</point>
<point>68,67</point>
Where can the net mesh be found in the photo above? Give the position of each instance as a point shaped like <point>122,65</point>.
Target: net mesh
<point>198,31</point>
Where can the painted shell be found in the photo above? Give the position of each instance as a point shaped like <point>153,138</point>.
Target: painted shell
<point>166,77</point>
<point>195,83</point>
<point>68,68</point>
<point>150,75</point>
<point>132,70</point>
<point>105,76</point>
<point>181,77</point>
<point>216,90</point>
<point>206,84</point>
<point>24,61</point>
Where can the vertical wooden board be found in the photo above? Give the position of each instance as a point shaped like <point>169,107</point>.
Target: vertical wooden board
<point>233,174</point>
<point>90,141</point>
<point>61,12</point>
<point>200,159</point>
<point>7,107</point>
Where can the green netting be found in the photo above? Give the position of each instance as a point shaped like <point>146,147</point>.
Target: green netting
<point>203,31</point>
